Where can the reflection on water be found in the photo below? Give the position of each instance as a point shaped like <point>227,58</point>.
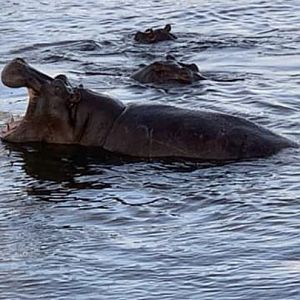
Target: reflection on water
<point>80,223</point>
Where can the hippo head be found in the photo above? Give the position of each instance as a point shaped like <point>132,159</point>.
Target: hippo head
<point>151,36</point>
<point>168,71</point>
<point>49,113</point>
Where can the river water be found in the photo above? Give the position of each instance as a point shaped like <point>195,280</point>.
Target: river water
<point>78,225</point>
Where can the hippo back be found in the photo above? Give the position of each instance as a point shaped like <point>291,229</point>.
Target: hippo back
<point>167,131</point>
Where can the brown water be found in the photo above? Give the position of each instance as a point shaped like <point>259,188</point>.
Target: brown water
<point>78,225</point>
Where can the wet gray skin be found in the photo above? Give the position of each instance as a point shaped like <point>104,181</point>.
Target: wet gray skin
<point>59,113</point>
<point>168,71</point>
<point>151,36</point>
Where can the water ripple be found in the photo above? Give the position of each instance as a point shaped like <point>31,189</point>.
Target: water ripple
<point>76,223</point>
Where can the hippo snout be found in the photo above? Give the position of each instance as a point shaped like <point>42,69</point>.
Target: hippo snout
<point>17,73</point>
<point>13,74</point>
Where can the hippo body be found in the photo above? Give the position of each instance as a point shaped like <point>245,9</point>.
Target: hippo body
<point>58,113</point>
<point>155,130</point>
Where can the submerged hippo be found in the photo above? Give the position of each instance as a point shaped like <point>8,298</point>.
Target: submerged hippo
<point>168,71</point>
<point>59,113</point>
<point>151,36</point>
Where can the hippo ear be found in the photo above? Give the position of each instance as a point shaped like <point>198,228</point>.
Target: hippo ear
<point>170,57</point>
<point>193,67</point>
<point>167,28</point>
<point>149,30</point>
<point>62,77</point>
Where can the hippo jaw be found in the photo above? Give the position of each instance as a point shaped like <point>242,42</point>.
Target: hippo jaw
<point>39,122</point>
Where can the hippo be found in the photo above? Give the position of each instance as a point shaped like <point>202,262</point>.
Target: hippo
<point>168,71</point>
<point>151,36</point>
<point>59,113</point>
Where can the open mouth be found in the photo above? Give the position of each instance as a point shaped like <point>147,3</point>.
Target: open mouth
<point>15,122</point>
<point>17,73</point>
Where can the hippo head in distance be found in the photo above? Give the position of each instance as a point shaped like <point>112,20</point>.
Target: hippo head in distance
<point>52,114</point>
<point>168,71</point>
<point>151,36</point>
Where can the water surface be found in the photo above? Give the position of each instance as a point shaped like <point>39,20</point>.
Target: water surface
<point>76,224</point>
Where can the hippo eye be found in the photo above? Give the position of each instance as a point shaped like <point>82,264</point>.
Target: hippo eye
<point>57,89</point>
<point>150,33</point>
<point>59,86</point>
<point>157,66</point>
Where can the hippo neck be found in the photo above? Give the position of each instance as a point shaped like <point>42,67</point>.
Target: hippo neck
<point>95,116</point>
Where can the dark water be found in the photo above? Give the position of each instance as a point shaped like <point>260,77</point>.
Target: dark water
<point>77,225</point>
